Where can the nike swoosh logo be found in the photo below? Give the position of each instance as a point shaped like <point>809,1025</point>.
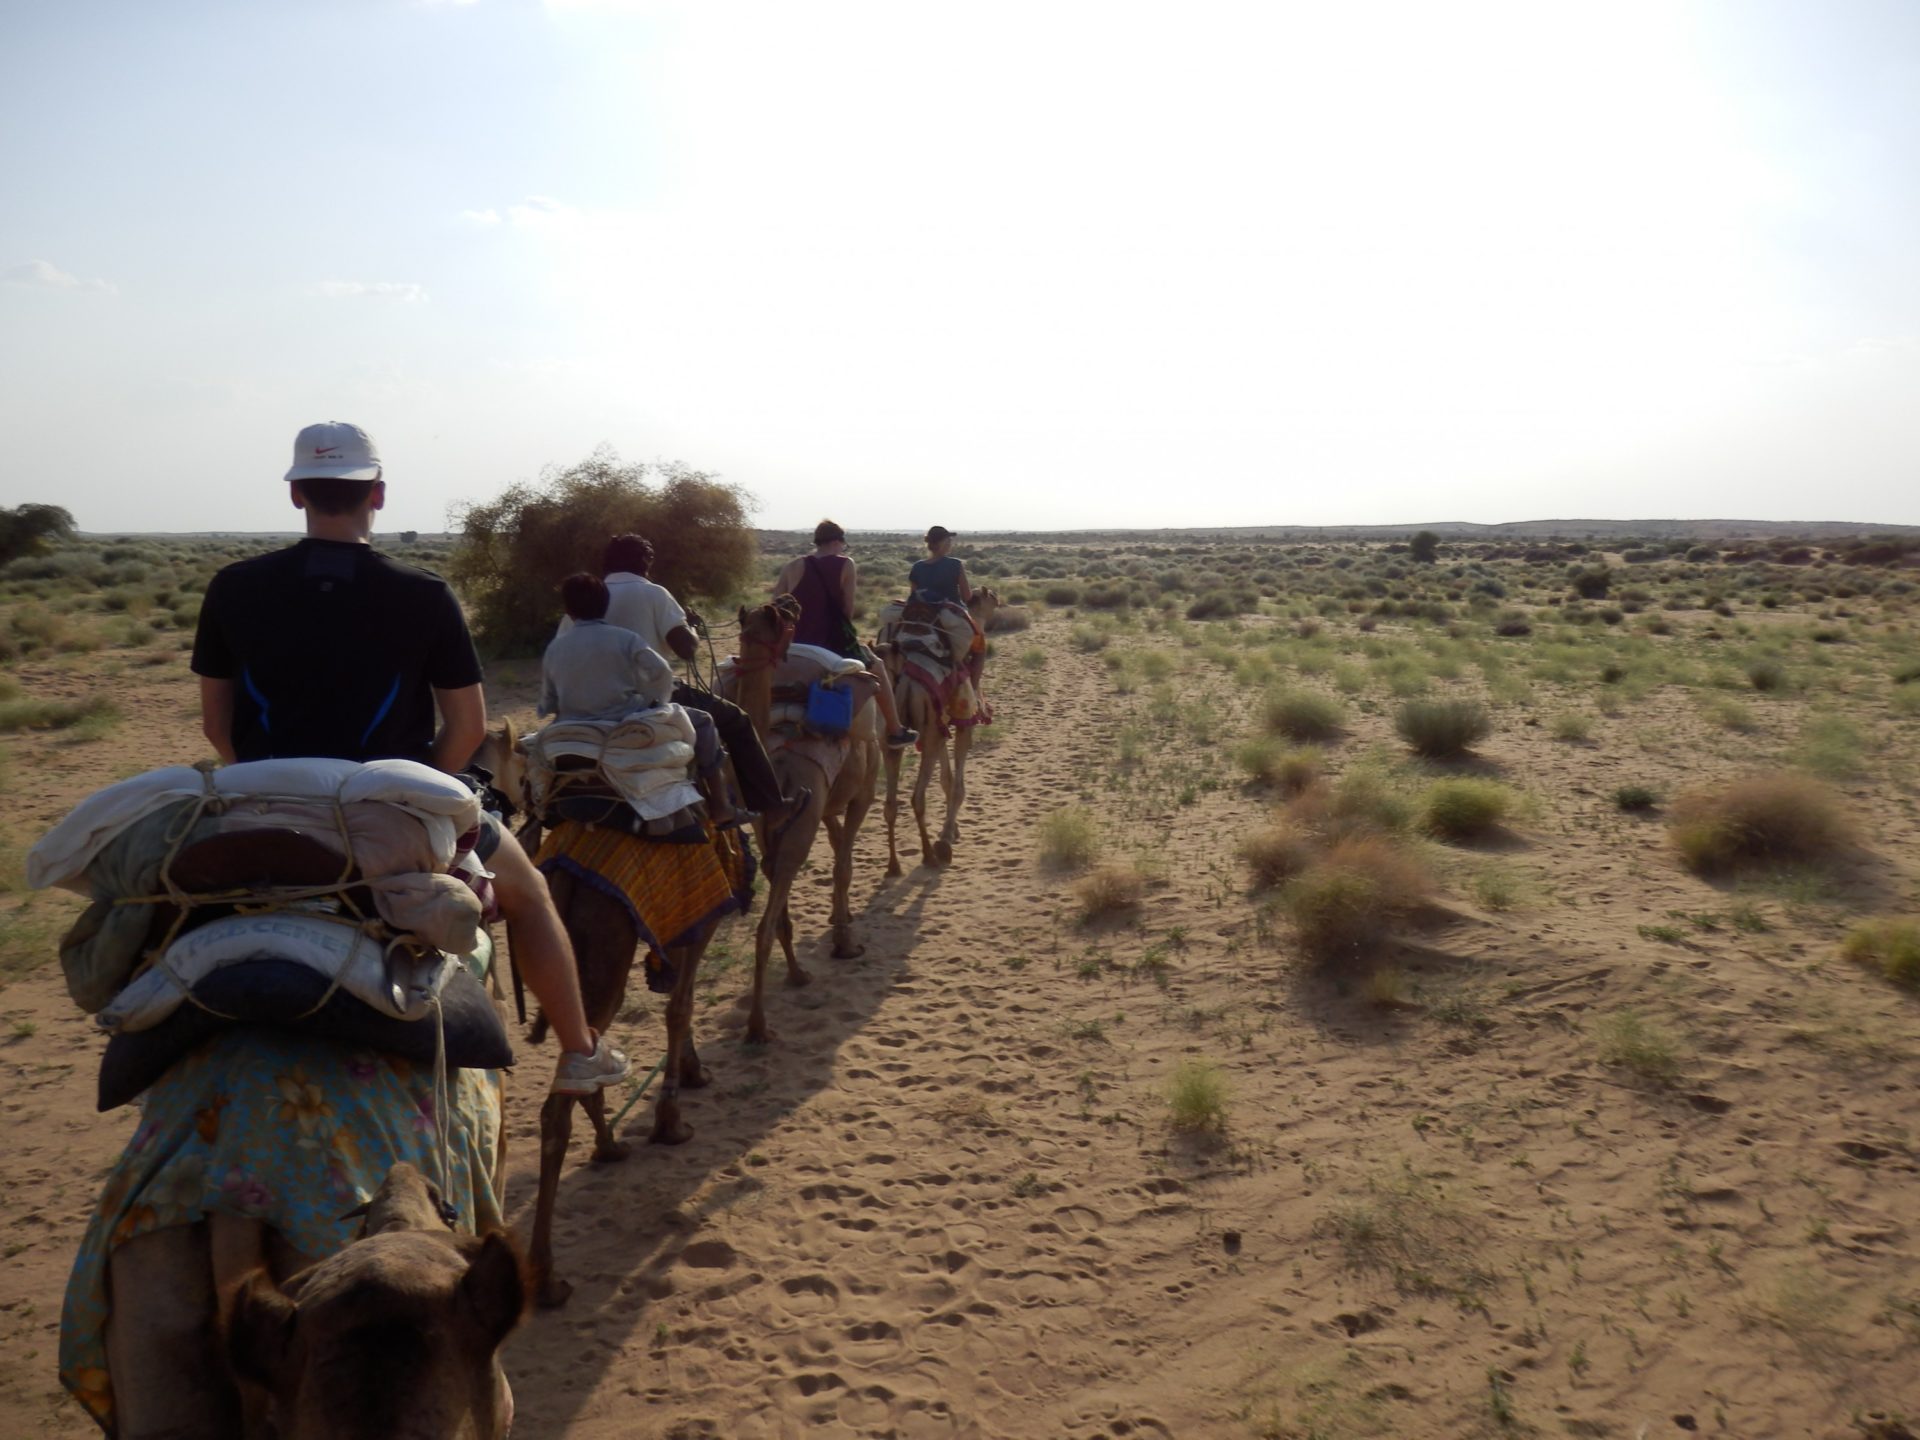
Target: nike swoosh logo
<point>328,451</point>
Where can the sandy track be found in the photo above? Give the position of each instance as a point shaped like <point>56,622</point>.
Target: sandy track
<point>945,1201</point>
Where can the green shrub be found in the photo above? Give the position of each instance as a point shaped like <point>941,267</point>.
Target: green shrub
<point>1635,797</point>
<point>1767,675</point>
<point>1442,729</point>
<point>1890,946</point>
<point>1463,808</point>
<point>1761,820</point>
<point>1304,715</point>
<point>1197,1097</point>
<point>1060,595</point>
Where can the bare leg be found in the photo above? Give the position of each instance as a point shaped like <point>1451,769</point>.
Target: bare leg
<point>888,709</point>
<point>541,953</point>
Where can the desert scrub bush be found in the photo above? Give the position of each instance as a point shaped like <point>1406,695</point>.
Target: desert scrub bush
<point>1626,1039</point>
<point>1363,802</point>
<point>1344,903</point>
<point>1761,820</point>
<point>25,713</point>
<point>1289,771</point>
<point>1890,946</point>
<point>1442,729</point>
<point>1033,658</point>
<point>1730,715</point>
<point>1087,640</point>
<point>1060,595</point>
<point>1007,619</point>
<point>1069,839</point>
<point>1635,798</point>
<point>1113,889</point>
<point>1275,854</point>
<point>1197,1098</point>
<point>1571,726</point>
<point>1767,675</point>
<point>1464,808</point>
<point>1304,715</point>
<point>1830,747</point>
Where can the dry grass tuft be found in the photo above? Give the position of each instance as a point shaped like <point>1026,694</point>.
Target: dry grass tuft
<point>1289,771</point>
<point>1069,840</point>
<point>1276,854</point>
<point>1890,946</point>
<point>1442,729</point>
<point>1761,820</point>
<point>1197,1098</point>
<point>1111,890</point>
<point>1464,809</point>
<point>1304,715</point>
<point>1344,904</point>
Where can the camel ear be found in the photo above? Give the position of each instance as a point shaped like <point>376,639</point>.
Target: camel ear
<point>742,617</point>
<point>260,1326</point>
<point>509,734</point>
<point>494,1288</point>
<point>358,1212</point>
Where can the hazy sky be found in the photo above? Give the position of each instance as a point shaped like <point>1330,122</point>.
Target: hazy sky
<point>1034,264</point>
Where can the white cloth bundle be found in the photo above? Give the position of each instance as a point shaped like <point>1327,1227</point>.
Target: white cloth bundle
<point>446,807</point>
<point>393,981</point>
<point>648,757</point>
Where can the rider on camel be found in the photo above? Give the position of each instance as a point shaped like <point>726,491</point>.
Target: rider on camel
<point>823,583</point>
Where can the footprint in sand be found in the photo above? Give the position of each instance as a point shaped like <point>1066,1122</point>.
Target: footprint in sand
<point>806,1295</point>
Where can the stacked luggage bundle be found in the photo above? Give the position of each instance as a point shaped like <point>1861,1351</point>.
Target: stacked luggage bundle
<point>638,774</point>
<point>320,895</point>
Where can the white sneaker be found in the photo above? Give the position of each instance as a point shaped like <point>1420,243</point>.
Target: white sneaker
<point>579,1074</point>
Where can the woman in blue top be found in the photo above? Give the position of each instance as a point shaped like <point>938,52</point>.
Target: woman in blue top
<point>940,577</point>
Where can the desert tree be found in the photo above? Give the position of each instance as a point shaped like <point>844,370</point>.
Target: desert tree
<point>513,551</point>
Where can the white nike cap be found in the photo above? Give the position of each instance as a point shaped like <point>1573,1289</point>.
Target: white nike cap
<point>334,450</point>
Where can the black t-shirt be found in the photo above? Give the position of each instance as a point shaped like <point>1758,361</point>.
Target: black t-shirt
<point>334,651</point>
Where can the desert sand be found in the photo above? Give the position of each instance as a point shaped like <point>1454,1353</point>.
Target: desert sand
<point>947,1199</point>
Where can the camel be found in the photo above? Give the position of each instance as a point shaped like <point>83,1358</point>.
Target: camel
<point>602,934</point>
<point>398,1334</point>
<point>294,1123</point>
<point>918,709</point>
<point>840,805</point>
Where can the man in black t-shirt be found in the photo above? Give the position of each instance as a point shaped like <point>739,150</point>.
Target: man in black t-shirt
<point>331,649</point>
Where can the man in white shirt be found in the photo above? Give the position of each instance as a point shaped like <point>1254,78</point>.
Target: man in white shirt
<point>635,603</point>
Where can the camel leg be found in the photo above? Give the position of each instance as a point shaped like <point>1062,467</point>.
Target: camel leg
<point>607,1149</point>
<point>694,1075</point>
<point>668,1127</point>
<point>843,834</point>
<point>796,977</point>
<point>556,1128</point>
<point>892,809</point>
<point>778,889</point>
<point>956,785</point>
<point>933,751</point>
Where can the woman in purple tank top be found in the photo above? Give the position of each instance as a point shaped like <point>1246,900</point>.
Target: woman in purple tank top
<point>823,583</point>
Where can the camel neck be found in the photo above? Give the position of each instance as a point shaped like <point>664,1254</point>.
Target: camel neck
<point>753,693</point>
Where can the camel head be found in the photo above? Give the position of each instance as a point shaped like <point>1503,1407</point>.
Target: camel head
<point>983,604</point>
<point>398,1334</point>
<point>769,628</point>
<point>504,754</point>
